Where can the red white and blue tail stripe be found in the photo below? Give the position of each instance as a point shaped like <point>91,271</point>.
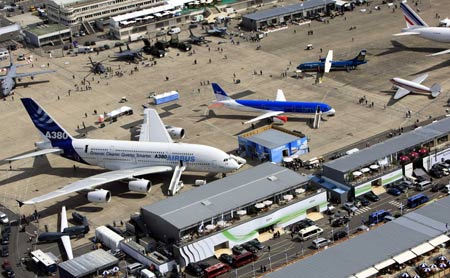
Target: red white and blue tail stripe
<point>411,18</point>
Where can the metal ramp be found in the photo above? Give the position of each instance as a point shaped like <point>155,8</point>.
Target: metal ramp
<point>175,183</point>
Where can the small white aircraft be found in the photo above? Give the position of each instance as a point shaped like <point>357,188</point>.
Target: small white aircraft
<point>127,160</point>
<point>405,87</point>
<point>417,26</point>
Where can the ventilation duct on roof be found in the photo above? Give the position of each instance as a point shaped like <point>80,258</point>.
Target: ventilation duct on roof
<point>206,203</point>
<point>272,178</point>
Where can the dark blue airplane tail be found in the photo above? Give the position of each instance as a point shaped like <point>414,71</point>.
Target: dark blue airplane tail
<point>219,92</point>
<point>361,58</point>
<point>49,128</point>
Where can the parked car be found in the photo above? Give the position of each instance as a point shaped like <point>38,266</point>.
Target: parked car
<point>340,221</point>
<point>195,270</point>
<point>225,258</point>
<point>237,249</point>
<point>305,223</point>
<point>247,246</point>
<point>436,173</point>
<point>9,272</point>
<point>339,234</point>
<point>437,187</point>
<point>255,242</point>
<point>364,202</point>
<point>372,196</point>
<point>350,207</point>
<point>4,251</point>
<point>394,191</point>
<point>320,242</point>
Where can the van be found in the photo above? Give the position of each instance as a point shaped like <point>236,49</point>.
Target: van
<point>309,232</point>
<point>134,268</point>
<point>423,185</point>
<point>320,242</point>
<point>175,30</point>
<point>145,273</point>
<point>84,49</point>
<point>3,218</point>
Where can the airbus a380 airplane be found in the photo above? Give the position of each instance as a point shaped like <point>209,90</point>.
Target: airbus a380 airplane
<point>154,153</point>
<point>271,108</point>
<point>417,26</point>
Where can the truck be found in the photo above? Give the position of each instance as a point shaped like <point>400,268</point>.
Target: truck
<point>84,49</point>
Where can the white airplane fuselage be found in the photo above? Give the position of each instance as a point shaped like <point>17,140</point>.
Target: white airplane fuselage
<point>439,34</point>
<point>409,85</point>
<point>117,155</point>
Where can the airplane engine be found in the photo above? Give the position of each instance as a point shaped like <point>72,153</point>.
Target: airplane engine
<point>140,185</point>
<point>42,145</point>
<point>99,196</point>
<point>175,132</point>
<point>280,120</point>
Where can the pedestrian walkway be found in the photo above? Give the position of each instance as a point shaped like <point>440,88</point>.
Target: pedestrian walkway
<point>362,210</point>
<point>396,204</point>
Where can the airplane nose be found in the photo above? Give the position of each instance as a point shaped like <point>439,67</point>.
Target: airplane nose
<point>331,112</point>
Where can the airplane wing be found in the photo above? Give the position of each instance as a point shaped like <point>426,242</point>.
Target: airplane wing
<point>440,53</point>
<point>264,116</point>
<point>153,129</point>
<point>66,239</point>
<point>97,180</point>
<point>21,75</point>
<point>328,60</point>
<point>401,93</point>
<point>420,79</point>
<point>37,153</point>
<point>409,33</point>
<point>280,95</point>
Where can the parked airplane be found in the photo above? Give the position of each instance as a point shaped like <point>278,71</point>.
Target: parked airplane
<point>129,54</point>
<point>197,39</point>
<point>215,30</point>
<point>9,80</point>
<point>327,64</point>
<point>154,153</point>
<point>405,87</point>
<point>415,25</point>
<point>65,233</point>
<point>271,108</point>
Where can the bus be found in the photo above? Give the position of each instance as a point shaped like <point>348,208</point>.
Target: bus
<point>378,216</point>
<point>243,259</point>
<point>417,200</point>
<point>216,270</point>
<point>45,261</point>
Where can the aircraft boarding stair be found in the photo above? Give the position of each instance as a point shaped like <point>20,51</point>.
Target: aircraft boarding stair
<point>175,183</point>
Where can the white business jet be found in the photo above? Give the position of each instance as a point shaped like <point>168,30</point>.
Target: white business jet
<point>127,160</point>
<point>404,87</point>
<point>417,26</point>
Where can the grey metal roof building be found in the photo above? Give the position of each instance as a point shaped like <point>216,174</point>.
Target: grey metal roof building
<point>166,219</point>
<point>367,156</point>
<point>272,138</point>
<point>397,241</point>
<point>87,264</point>
<point>251,20</point>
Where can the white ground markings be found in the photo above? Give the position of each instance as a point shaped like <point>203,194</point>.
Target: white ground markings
<point>396,204</point>
<point>362,210</point>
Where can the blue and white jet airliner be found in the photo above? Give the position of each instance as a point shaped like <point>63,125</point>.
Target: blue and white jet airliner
<point>154,153</point>
<point>271,108</point>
